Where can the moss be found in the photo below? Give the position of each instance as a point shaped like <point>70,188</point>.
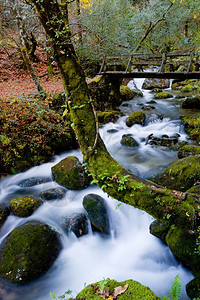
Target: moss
<point>187,88</point>
<point>188,150</point>
<point>28,252</point>
<point>193,288</point>
<point>108,116</point>
<point>163,95</point>
<point>24,206</point>
<point>137,117</point>
<point>185,251</point>
<point>192,126</point>
<point>70,173</point>
<point>194,190</point>
<point>134,291</point>
<point>128,141</point>
<point>126,92</point>
<point>159,230</point>
<point>181,174</point>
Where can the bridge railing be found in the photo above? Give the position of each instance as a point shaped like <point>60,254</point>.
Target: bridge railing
<point>166,62</point>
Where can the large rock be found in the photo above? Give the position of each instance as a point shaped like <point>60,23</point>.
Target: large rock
<point>137,117</point>
<point>163,95</point>
<point>97,212</point>
<point>181,174</point>
<point>135,290</point>
<point>162,141</point>
<point>152,83</point>
<point>77,223</point>
<point>128,141</point>
<point>191,102</point>
<point>70,173</point>
<point>28,252</point>
<point>24,206</point>
<point>192,127</point>
<point>187,150</point>
<point>51,194</point>
<point>4,213</point>
<point>126,93</point>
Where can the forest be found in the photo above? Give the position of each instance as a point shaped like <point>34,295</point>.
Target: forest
<point>96,169</point>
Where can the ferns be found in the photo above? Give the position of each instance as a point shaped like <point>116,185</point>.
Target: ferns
<point>175,290</point>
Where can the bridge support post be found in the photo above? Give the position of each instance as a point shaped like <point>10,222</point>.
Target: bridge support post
<point>113,84</point>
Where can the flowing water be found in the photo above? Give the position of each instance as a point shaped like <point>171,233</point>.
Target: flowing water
<point>130,252</point>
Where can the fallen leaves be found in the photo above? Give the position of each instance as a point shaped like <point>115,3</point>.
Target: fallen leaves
<point>105,293</point>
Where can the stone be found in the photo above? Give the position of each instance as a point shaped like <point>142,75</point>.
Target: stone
<point>24,206</point>
<point>128,141</point>
<point>163,95</point>
<point>137,117</point>
<point>97,212</point>
<point>126,93</point>
<point>152,83</point>
<point>28,252</point>
<point>187,150</point>
<point>135,290</point>
<point>77,223</point>
<point>181,175</point>
<point>70,173</point>
<point>191,103</point>
<point>4,213</point>
<point>51,194</point>
<point>34,181</point>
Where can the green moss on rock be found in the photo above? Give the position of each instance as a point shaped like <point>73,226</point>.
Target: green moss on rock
<point>134,291</point>
<point>163,95</point>
<point>188,150</point>
<point>192,126</point>
<point>193,288</point>
<point>191,102</point>
<point>24,206</point>
<point>194,190</point>
<point>108,116</point>
<point>28,252</point>
<point>128,141</point>
<point>70,173</point>
<point>187,88</point>
<point>181,174</point>
<point>126,93</point>
<point>137,117</point>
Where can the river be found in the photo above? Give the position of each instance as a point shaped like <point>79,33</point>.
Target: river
<point>130,252</point>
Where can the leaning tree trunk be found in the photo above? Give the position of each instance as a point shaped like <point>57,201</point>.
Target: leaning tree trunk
<point>172,207</point>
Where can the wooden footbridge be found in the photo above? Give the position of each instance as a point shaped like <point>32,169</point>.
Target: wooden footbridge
<point>166,65</point>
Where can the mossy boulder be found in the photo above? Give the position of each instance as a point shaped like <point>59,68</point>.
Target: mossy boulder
<point>165,140</point>
<point>152,83</point>
<point>186,252</point>
<point>4,213</point>
<point>163,95</point>
<point>193,288</point>
<point>126,93</point>
<point>28,252</point>
<point>51,194</point>
<point>192,127</point>
<point>137,117</point>
<point>181,174</point>
<point>159,230</point>
<point>128,141</point>
<point>77,223</point>
<point>108,116</point>
<point>188,88</point>
<point>148,107</point>
<point>97,212</point>
<point>134,291</point>
<point>70,173</point>
<point>191,102</point>
<point>24,206</point>
<point>188,150</point>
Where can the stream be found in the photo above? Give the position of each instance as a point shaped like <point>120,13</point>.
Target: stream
<point>130,251</point>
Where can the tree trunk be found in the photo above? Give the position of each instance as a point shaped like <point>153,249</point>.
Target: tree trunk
<point>172,207</point>
<point>25,55</point>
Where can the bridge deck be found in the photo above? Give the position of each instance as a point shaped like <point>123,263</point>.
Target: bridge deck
<point>166,75</point>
